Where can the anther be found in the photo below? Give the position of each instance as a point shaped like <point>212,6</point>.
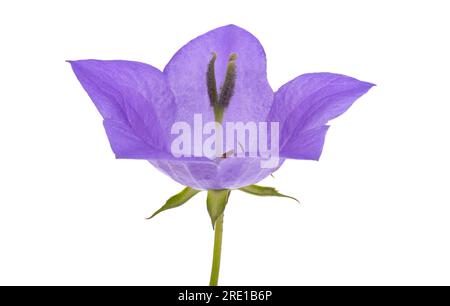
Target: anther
<point>220,102</point>
<point>211,81</point>
<point>227,88</point>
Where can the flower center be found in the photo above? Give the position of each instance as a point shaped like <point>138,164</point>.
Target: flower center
<point>220,102</point>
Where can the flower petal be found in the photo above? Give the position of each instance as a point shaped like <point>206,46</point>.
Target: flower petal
<point>230,173</point>
<point>303,107</point>
<point>135,102</point>
<point>186,73</point>
<point>306,145</point>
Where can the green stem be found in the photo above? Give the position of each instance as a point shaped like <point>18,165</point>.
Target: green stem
<point>218,229</point>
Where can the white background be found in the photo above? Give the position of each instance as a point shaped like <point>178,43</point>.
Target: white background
<point>375,208</point>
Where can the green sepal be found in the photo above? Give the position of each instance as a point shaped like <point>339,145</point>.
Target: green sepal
<point>216,202</point>
<point>177,200</point>
<point>264,191</point>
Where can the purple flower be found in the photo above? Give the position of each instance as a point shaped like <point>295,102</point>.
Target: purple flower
<point>139,104</point>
